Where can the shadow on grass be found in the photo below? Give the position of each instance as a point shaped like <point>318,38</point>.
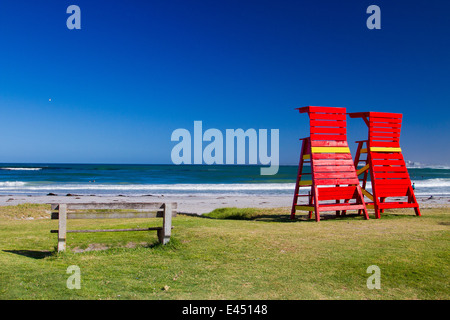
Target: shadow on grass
<point>355,216</point>
<point>35,254</point>
<point>94,248</point>
<point>285,218</point>
<point>260,217</point>
<point>391,215</point>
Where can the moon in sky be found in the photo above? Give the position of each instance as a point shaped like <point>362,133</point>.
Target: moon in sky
<point>49,100</point>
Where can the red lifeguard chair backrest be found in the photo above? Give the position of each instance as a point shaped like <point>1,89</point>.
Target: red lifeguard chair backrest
<point>331,159</point>
<point>327,124</point>
<point>384,130</point>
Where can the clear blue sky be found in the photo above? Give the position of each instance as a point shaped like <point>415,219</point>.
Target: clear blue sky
<point>137,70</point>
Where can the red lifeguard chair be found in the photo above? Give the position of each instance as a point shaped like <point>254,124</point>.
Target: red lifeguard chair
<point>333,175</point>
<point>384,163</point>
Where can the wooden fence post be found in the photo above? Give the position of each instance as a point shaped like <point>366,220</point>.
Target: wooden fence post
<point>164,235</point>
<point>62,227</point>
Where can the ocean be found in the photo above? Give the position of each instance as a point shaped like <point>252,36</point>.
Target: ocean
<point>138,180</point>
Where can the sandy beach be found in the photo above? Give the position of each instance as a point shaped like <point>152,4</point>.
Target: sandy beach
<point>190,204</point>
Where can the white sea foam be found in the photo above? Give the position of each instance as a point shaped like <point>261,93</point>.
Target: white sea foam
<point>22,169</point>
<point>418,165</point>
<point>150,187</point>
<point>430,186</point>
<point>432,183</point>
<point>11,184</point>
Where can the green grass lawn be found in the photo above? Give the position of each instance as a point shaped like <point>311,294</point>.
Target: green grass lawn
<point>260,254</point>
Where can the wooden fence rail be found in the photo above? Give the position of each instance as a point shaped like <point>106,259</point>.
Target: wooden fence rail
<point>64,211</point>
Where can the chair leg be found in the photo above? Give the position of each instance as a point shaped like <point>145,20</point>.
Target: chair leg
<point>376,208</point>
<point>310,202</point>
<point>316,203</point>
<point>361,200</point>
<point>382,201</point>
<point>412,198</point>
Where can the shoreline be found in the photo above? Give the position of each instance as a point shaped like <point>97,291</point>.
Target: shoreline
<point>191,204</point>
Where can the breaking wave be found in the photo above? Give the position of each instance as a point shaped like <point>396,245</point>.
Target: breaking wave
<point>21,169</point>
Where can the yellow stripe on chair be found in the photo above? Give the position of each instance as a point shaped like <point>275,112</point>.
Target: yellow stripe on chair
<point>330,150</point>
<point>380,149</point>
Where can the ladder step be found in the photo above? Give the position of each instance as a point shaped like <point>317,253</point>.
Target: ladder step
<point>340,206</point>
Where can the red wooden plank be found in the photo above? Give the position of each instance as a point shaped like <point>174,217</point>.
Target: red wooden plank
<point>333,168</point>
<point>395,184</point>
<point>341,206</point>
<point>335,175</point>
<point>325,116</point>
<point>330,182</point>
<point>328,130</point>
<point>326,109</point>
<point>331,162</point>
<point>374,114</point>
<point>385,120</point>
<point>381,128</point>
<point>331,123</point>
<point>383,155</point>
<point>384,144</point>
<point>389,131</point>
<point>382,168</point>
<point>387,188</point>
<point>328,137</point>
<point>384,139</point>
<point>391,193</point>
<point>384,129</point>
<point>317,163</point>
<point>397,205</point>
<point>384,125</point>
<point>379,175</point>
<point>385,134</point>
<point>322,143</point>
<point>337,196</point>
<point>389,169</point>
<point>395,162</point>
<point>337,193</point>
<point>337,156</point>
<point>385,115</point>
<point>333,190</point>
